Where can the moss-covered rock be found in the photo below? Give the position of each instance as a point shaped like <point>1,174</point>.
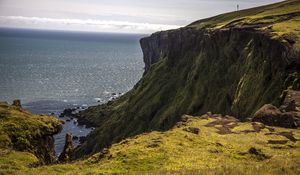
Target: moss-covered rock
<point>22,131</point>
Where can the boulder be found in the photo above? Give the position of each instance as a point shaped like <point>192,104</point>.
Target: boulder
<point>68,152</point>
<point>291,106</point>
<point>17,103</point>
<point>272,116</point>
<point>68,112</point>
<point>75,138</point>
<point>193,130</point>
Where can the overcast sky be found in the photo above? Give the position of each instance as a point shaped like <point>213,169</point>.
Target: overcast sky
<point>125,16</point>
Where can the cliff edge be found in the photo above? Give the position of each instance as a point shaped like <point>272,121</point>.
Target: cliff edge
<point>22,131</point>
<point>231,64</point>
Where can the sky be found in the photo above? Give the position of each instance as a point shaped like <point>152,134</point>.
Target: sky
<point>121,16</point>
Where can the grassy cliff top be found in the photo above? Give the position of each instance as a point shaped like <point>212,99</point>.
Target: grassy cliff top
<point>282,20</point>
<point>207,144</point>
<point>18,127</point>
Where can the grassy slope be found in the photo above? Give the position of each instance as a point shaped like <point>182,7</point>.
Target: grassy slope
<point>231,73</point>
<point>282,19</point>
<point>215,150</point>
<point>21,130</point>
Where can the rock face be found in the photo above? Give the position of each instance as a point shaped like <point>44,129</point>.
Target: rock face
<point>272,116</point>
<point>230,69</point>
<point>154,48</point>
<point>68,152</point>
<point>17,103</point>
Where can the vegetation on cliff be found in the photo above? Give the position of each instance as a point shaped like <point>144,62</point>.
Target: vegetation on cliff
<point>230,64</point>
<point>22,131</point>
<point>210,144</point>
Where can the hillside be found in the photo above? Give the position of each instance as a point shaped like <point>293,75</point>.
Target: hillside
<point>210,144</point>
<point>231,64</point>
<point>23,131</point>
<point>194,109</point>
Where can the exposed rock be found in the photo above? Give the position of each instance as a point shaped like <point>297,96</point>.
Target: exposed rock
<point>104,153</point>
<point>258,153</point>
<point>82,139</point>
<point>272,116</point>
<point>68,113</point>
<point>291,106</point>
<point>193,130</point>
<point>223,124</point>
<point>68,152</point>
<point>277,141</point>
<point>17,103</point>
<point>75,138</point>
<point>153,145</point>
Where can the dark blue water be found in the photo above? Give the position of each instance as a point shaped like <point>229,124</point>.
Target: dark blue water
<point>50,71</point>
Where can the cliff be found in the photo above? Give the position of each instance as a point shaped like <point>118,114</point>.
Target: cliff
<point>231,64</point>
<point>26,132</point>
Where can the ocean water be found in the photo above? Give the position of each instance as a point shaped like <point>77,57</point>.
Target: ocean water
<point>50,71</point>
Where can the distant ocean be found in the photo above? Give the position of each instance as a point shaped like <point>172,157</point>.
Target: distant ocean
<point>53,70</point>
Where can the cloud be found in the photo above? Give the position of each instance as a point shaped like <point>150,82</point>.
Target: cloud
<point>82,25</point>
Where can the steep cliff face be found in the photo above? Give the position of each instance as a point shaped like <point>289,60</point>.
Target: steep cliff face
<point>229,64</point>
<point>23,131</point>
<point>232,71</point>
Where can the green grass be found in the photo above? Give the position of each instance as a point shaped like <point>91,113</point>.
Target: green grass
<point>180,152</point>
<point>23,131</point>
<point>280,19</point>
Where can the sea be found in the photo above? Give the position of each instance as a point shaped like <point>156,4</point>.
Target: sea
<point>50,71</point>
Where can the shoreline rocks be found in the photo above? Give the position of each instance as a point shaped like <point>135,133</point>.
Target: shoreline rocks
<point>68,152</point>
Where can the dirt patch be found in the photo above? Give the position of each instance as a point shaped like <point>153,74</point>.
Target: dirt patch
<point>193,130</point>
<point>271,129</point>
<point>153,145</point>
<point>155,142</point>
<point>224,130</point>
<point>258,126</point>
<point>277,141</point>
<point>288,135</point>
<point>248,131</point>
<point>223,124</point>
<point>258,153</point>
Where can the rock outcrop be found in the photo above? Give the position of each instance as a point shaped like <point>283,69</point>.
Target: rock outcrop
<point>22,131</point>
<point>272,116</point>
<point>68,152</point>
<point>17,103</point>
